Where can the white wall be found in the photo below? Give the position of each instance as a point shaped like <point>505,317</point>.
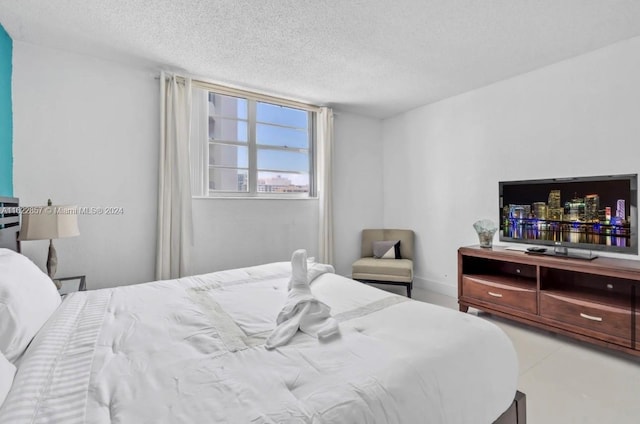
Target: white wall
<point>86,132</point>
<point>234,233</point>
<point>357,182</point>
<point>442,162</point>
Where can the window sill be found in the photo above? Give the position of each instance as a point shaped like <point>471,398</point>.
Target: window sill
<point>251,198</point>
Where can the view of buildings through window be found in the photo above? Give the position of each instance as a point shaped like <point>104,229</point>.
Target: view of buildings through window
<point>258,147</point>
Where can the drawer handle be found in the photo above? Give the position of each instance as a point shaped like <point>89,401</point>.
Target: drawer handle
<point>591,317</point>
<point>494,294</point>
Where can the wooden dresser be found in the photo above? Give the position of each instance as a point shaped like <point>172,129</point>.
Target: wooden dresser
<point>597,301</point>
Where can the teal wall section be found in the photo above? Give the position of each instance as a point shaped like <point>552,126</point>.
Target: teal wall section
<point>6,115</point>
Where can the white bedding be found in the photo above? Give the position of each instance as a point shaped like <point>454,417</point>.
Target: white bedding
<point>192,350</point>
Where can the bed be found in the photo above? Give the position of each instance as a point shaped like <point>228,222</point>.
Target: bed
<point>192,350</point>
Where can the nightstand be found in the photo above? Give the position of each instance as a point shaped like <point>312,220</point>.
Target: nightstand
<point>72,284</point>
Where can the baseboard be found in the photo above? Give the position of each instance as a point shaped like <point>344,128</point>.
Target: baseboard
<point>435,287</point>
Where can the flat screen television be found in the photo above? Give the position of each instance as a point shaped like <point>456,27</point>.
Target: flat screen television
<point>591,213</point>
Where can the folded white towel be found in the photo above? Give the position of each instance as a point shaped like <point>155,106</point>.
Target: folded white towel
<point>302,310</point>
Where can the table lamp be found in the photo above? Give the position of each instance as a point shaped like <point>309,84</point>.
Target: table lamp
<point>48,223</point>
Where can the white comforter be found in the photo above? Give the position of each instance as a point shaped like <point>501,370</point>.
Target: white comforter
<point>192,351</point>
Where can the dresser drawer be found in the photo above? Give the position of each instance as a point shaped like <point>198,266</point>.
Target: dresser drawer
<point>511,296</point>
<point>605,319</point>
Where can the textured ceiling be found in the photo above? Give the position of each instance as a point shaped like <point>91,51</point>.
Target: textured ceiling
<point>372,57</point>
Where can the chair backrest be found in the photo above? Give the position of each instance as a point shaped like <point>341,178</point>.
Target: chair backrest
<point>405,236</point>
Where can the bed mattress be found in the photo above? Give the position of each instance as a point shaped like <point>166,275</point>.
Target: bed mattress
<point>192,350</point>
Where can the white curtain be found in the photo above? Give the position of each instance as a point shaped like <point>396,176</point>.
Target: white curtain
<point>325,184</point>
<point>175,226</point>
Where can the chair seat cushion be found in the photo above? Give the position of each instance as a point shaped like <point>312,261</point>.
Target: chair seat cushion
<point>400,270</point>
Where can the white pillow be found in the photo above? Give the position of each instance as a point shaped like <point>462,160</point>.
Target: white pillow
<point>7,372</point>
<point>28,297</point>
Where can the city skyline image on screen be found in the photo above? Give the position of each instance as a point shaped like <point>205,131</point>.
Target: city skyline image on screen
<point>598,213</point>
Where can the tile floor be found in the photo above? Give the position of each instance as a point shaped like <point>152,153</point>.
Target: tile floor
<point>565,381</point>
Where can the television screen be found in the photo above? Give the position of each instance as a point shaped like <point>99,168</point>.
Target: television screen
<point>595,213</point>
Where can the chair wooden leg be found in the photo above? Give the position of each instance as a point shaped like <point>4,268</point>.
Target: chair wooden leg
<point>409,290</point>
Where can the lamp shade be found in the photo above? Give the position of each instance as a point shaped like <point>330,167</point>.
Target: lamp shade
<point>50,222</point>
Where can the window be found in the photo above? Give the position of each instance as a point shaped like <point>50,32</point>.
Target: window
<point>250,147</point>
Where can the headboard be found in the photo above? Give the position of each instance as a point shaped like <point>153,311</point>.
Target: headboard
<point>9,222</point>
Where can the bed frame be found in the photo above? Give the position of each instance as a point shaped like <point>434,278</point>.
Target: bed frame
<point>10,227</point>
<point>9,223</point>
<point>517,412</point>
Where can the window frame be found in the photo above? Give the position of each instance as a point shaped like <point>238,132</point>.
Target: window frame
<point>253,147</point>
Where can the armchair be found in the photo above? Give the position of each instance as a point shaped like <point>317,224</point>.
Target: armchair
<point>398,272</point>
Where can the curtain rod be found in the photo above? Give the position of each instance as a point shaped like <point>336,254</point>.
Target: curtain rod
<point>236,92</point>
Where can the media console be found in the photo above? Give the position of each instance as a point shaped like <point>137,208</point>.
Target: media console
<point>596,301</point>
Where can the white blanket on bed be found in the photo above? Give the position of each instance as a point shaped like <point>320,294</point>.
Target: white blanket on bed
<point>192,351</point>
<point>302,311</point>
